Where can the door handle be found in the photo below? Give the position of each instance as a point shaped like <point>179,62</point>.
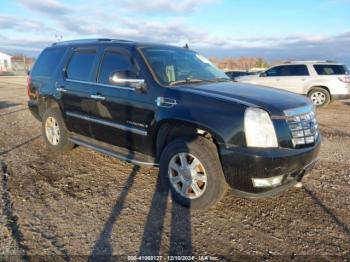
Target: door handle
<point>61,89</point>
<point>97,97</point>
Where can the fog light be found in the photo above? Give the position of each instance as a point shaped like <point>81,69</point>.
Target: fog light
<point>267,182</point>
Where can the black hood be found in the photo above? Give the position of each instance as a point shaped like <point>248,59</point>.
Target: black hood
<point>271,99</point>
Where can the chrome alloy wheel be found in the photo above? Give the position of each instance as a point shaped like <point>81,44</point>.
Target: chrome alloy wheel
<point>52,131</point>
<point>187,175</point>
<point>318,98</point>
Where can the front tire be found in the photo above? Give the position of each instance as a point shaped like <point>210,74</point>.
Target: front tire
<point>56,135</point>
<point>320,97</point>
<point>192,170</point>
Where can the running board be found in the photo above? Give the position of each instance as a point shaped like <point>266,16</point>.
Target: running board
<point>137,158</point>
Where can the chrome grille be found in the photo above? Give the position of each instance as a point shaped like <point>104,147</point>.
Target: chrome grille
<point>303,128</point>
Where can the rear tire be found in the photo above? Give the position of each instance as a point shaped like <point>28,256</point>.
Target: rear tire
<point>56,135</point>
<point>200,182</point>
<point>320,97</point>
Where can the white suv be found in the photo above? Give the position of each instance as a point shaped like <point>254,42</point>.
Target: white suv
<point>322,81</point>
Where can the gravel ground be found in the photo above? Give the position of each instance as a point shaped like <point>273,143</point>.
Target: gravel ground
<point>82,204</point>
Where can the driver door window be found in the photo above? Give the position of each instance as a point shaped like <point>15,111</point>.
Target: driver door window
<point>275,71</point>
<point>271,77</point>
<point>115,62</point>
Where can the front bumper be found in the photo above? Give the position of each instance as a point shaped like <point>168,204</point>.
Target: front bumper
<point>240,165</point>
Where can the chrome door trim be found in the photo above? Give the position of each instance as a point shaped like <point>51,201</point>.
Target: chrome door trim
<point>61,89</point>
<point>97,97</point>
<point>108,123</point>
<point>100,84</point>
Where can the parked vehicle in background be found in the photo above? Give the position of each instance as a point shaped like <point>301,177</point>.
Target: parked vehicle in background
<point>321,81</point>
<point>166,106</point>
<point>235,73</point>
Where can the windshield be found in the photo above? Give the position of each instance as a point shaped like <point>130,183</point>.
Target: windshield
<point>177,66</point>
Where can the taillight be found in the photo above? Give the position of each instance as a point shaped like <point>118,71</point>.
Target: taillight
<point>29,79</point>
<point>344,79</point>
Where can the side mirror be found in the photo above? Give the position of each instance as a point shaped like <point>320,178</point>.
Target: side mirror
<point>127,78</point>
<point>263,74</point>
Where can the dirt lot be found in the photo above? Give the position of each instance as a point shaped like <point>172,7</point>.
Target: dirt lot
<point>83,203</point>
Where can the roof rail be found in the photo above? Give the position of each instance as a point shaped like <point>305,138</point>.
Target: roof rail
<point>309,61</point>
<point>83,41</point>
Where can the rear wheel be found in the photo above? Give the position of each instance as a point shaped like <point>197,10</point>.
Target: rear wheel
<point>192,170</point>
<point>320,97</point>
<point>55,132</point>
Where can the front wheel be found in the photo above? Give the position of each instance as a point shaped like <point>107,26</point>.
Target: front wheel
<point>192,170</point>
<point>320,97</point>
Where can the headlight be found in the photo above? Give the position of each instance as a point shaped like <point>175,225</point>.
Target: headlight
<point>258,127</point>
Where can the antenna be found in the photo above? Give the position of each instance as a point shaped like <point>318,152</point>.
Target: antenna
<point>58,37</point>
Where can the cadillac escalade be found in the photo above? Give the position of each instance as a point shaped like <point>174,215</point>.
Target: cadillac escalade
<point>170,107</point>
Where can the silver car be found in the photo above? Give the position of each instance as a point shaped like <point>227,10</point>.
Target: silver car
<point>322,81</point>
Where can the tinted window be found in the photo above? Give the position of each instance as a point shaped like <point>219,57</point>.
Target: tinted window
<point>113,62</point>
<point>275,71</point>
<point>80,65</point>
<point>288,70</point>
<point>331,69</point>
<point>47,62</point>
<point>237,74</point>
<point>229,74</point>
<point>297,70</point>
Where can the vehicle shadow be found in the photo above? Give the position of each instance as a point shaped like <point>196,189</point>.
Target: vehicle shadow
<point>335,219</point>
<point>4,152</point>
<point>151,243</point>
<point>5,104</point>
<point>180,231</point>
<point>102,249</point>
<point>12,112</point>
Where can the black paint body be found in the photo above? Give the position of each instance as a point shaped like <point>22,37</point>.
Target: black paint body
<point>217,108</point>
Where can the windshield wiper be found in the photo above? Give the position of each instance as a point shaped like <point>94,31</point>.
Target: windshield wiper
<point>187,81</point>
<point>196,80</point>
<point>220,79</point>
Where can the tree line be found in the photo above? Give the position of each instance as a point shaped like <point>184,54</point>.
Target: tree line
<point>241,63</point>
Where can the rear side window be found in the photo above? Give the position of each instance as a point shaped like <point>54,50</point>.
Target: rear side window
<point>288,70</point>
<point>113,62</point>
<point>238,74</point>
<point>48,62</point>
<point>331,70</point>
<point>297,70</point>
<point>80,65</point>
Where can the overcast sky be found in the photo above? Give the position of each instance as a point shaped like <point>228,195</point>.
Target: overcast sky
<point>309,29</point>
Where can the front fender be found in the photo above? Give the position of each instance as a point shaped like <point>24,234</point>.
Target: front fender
<point>224,120</point>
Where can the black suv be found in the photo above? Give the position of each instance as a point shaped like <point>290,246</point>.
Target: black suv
<point>166,106</point>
